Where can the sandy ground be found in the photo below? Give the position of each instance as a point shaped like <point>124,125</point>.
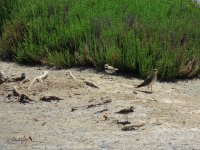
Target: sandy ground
<point>170,115</point>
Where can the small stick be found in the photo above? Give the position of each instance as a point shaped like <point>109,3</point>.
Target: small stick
<point>16,92</point>
<point>23,98</point>
<point>3,77</point>
<point>91,84</point>
<point>85,81</point>
<point>24,81</point>
<point>39,78</point>
<point>71,75</point>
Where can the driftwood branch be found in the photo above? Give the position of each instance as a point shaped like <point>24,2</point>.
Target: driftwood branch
<point>71,75</point>
<point>16,92</point>
<point>3,77</point>
<point>24,81</point>
<point>39,78</point>
<point>89,83</point>
<point>92,84</point>
<point>22,98</point>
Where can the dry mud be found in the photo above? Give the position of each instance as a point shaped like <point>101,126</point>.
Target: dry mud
<point>170,115</point>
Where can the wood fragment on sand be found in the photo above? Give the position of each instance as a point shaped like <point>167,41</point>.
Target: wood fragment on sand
<point>92,84</point>
<point>16,92</point>
<point>22,98</point>
<point>3,77</point>
<point>89,83</point>
<point>71,75</point>
<point>24,81</point>
<point>39,78</point>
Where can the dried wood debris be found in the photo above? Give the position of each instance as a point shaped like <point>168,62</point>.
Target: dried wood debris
<point>39,78</point>
<point>89,83</point>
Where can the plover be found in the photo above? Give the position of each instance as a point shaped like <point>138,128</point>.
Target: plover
<point>126,111</point>
<point>150,80</point>
<point>110,69</point>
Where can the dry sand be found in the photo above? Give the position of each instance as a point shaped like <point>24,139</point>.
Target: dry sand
<point>170,115</point>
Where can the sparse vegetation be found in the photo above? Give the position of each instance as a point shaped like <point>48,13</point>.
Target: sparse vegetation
<point>134,36</point>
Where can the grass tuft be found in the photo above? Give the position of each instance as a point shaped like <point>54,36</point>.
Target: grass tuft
<point>134,36</point>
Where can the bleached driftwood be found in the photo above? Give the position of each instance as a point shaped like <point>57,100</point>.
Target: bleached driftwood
<point>92,84</point>
<point>71,75</point>
<point>23,98</point>
<point>24,81</point>
<point>16,92</point>
<point>3,77</point>
<point>39,78</point>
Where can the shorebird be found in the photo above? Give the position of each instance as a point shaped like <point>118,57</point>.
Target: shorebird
<point>150,80</point>
<point>126,111</point>
<point>110,69</point>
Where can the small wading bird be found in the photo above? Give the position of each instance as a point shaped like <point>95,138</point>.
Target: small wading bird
<point>150,80</point>
<point>110,69</point>
<point>126,111</point>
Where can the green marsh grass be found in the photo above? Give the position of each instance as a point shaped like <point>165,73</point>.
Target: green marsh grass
<point>134,36</point>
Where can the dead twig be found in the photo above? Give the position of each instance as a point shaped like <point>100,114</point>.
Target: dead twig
<point>71,75</point>
<point>89,83</point>
<point>16,92</point>
<point>22,98</point>
<point>39,78</point>
<point>3,77</point>
<point>24,81</point>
